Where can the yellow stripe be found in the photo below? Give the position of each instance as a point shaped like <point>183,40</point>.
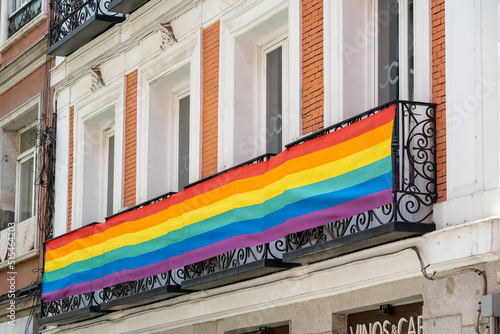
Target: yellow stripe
<point>298,164</point>
<point>259,196</point>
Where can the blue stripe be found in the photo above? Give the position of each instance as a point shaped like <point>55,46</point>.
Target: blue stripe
<point>239,227</point>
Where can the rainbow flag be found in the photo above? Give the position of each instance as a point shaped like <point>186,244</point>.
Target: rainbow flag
<point>332,177</point>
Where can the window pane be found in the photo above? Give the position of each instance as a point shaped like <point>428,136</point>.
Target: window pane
<point>26,190</point>
<point>388,51</point>
<point>27,140</point>
<point>183,174</point>
<point>273,101</point>
<point>111,174</point>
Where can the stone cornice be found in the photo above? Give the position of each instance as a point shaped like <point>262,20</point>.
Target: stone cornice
<point>23,65</point>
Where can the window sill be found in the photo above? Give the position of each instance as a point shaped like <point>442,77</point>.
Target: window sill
<point>20,259</point>
<point>26,243</point>
<point>23,31</point>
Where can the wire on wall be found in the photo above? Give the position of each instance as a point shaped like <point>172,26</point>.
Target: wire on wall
<point>45,168</point>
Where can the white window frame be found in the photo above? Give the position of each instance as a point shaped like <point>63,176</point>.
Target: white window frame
<point>185,53</point>
<point>17,115</point>
<point>11,118</point>
<point>176,92</point>
<point>90,159</point>
<point>174,83</point>
<point>100,112</point>
<point>335,60</point>
<point>21,158</point>
<point>240,28</point>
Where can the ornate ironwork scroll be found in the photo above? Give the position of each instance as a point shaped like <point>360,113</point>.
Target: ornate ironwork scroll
<point>68,15</point>
<point>414,193</point>
<point>69,304</point>
<point>117,291</point>
<point>235,258</point>
<point>414,176</point>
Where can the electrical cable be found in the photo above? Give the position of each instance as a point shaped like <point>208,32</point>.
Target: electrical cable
<point>434,276</point>
<point>44,182</point>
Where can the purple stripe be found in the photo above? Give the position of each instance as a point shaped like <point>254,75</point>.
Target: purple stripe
<point>293,225</point>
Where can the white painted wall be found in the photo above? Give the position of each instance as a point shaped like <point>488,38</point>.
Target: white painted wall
<point>61,173</point>
<point>472,113</point>
<point>355,282</point>
<point>473,152</point>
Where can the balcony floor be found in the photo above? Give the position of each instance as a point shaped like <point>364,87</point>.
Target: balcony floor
<point>372,237</point>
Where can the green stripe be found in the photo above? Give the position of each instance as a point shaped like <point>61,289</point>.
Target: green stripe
<point>289,196</point>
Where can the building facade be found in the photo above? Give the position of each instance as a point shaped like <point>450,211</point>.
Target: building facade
<point>27,140</point>
<point>220,121</point>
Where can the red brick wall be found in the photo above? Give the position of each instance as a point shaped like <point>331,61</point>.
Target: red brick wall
<point>210,99</point>
<point>312,65</point>
<point>129,181</point>
<point>439,92</point>
<point>70,167</point>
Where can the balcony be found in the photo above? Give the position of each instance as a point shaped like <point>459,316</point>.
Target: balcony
<point>23,15</point>
<point>74,23</point>
<point>413,191</point>
<point>407,215</point>
<point>125,6</point>
<point>405,211</point>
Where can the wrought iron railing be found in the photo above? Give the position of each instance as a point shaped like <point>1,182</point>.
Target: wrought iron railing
<point>414,176</point>
<point>67,15</point>
<point>236,258</point>
<point>143,204</point>
<point>127,289</point>
<point>69,304</point>
<point>414,192</point>
<point>23,15</point>
<point>260,158</point>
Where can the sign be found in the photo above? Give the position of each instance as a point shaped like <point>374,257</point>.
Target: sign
<point>405,319</point>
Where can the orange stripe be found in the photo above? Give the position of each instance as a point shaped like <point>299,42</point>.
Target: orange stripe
<point>299,164</point>
<point>368,124</point>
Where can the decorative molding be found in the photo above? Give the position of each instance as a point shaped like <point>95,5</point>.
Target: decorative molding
<point>97,81</point>
<point>167,35</point>
<point>24,65</point>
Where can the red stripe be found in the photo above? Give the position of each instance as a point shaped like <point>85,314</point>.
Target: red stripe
<point>323,142</point>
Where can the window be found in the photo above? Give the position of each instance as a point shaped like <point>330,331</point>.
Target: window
<point>274,99</point>
<point>183,160</point>
<point>256,119</point>
<point>19,14</point>
<point>26,173</point>
<point>98,152</point>
<point>18,190</point>
<point>17,4</point>
<point>378,53</point>
<point>17,167</point>
<point>110,171</point>
<point>169,133</point>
